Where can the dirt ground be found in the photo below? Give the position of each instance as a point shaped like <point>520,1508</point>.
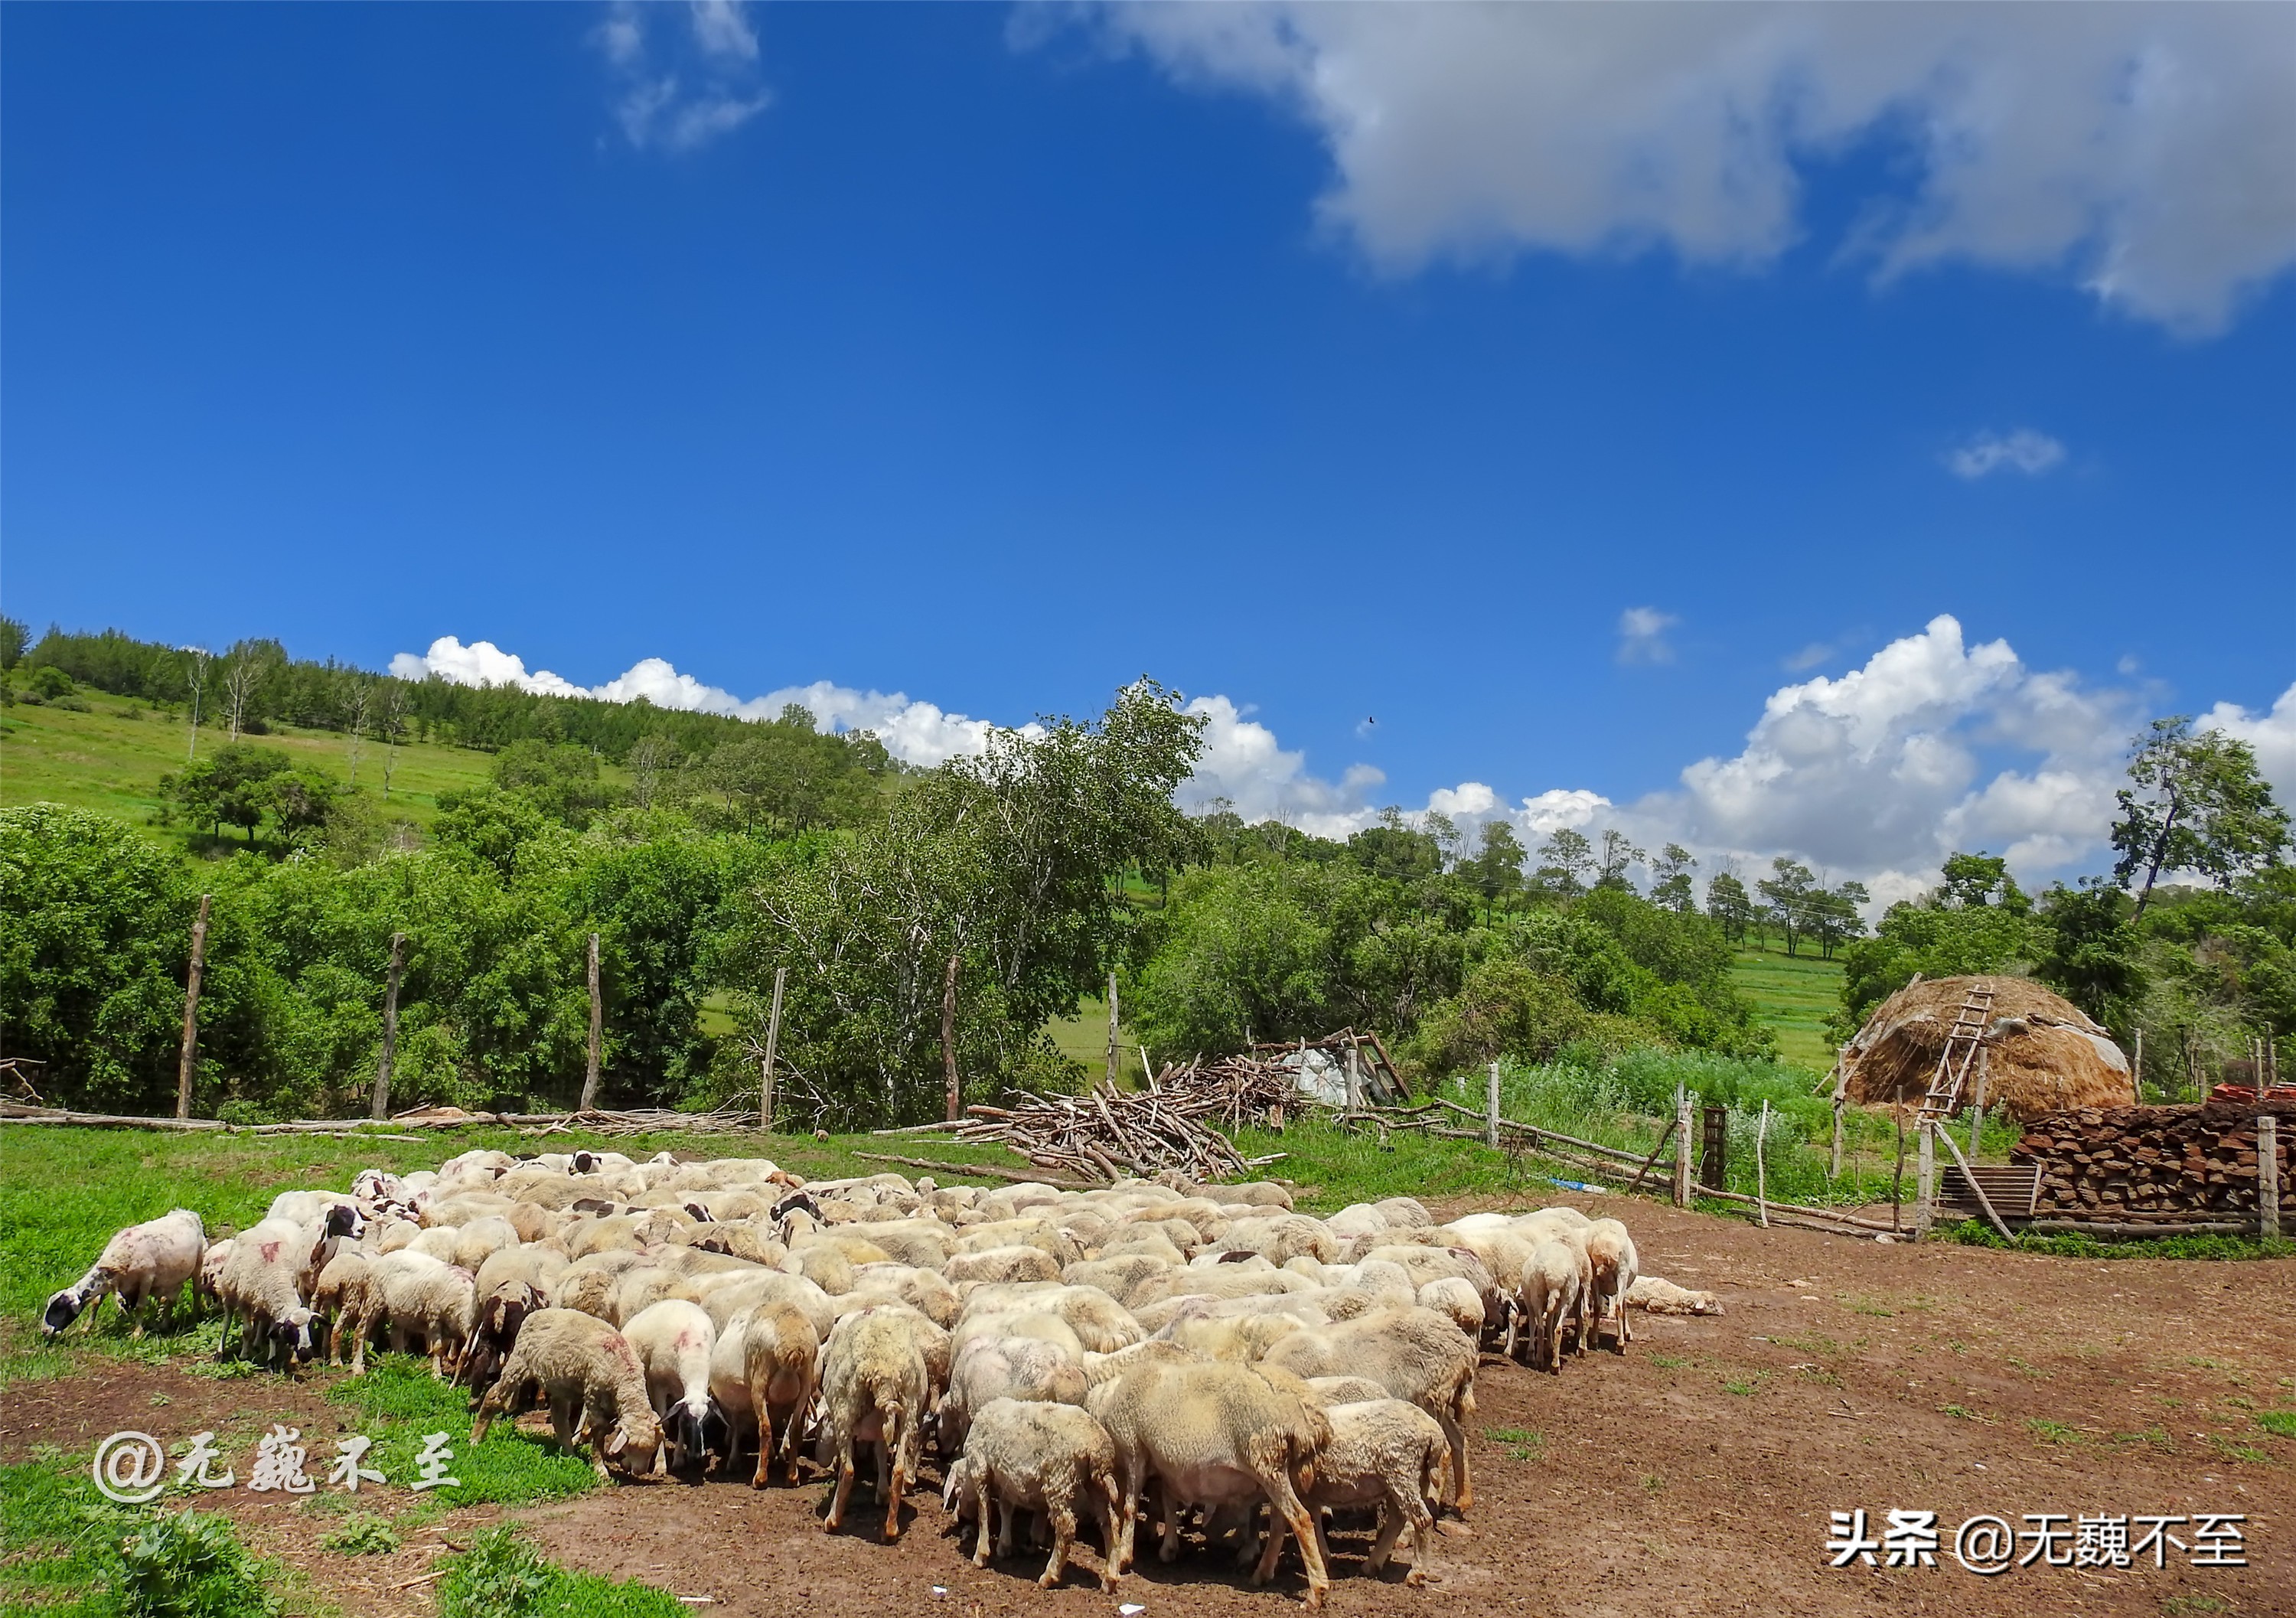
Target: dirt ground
<point>1692,1475</point>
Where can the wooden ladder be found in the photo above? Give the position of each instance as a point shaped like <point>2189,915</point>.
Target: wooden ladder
<point>1961,1043</point>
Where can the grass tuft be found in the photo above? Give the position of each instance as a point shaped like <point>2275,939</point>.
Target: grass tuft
<point>502,1576</point>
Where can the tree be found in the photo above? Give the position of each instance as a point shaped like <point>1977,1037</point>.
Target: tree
<point>1729,904</point>
<point>1397,852</point>
<point>654,763</point>
<point>560,780</point>
<point>1497,869</point>
<point>244,672</point>
<point>1569,858</point>
<point>230,786</point>
<point>1611,866</point>
<point>14,638</point>
<point>391,725</point>
<point>1787,892</point>
<point>2195,804</point>
<point>1673,868</point>
<point>2092,955</point>
<point>358,700</point>
<point>1450,845</point>
<point>195,684</point>
<point>1974,880</point>
<point>1833,915</point>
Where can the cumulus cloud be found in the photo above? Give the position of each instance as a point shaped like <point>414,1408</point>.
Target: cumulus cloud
<point>2273,735</point>
<point>913,732</point>
<point>1642,636</point>
<point>2024,451</point>
<point>679,89</point>
<point>2145,153</point>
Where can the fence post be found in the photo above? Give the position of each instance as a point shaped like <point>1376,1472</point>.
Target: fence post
<point>381,1108</point>
<point>1925,1182</point>
<point>2268,1177</point>
<point>1355,1082</point>
<point>2136,1071</point>
<point>1761,1168</point>
<point>187,1060</point>
<point>1114,1049</point>
<point>1977,1113</point>
<point>1681,1147</point>
<point>1491,1119</point>
<point>773,1045</point>
<point>1714,1146</point>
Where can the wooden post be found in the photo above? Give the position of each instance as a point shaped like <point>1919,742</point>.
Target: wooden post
<point>598,1028</point>
<point>1977,1113</point>
<point>1761,1169</point>
<point>381,1108</point>
<point>1925,1184</point>
<point>2136,1071</point>
<point>948,1042</point>
<point>189,1057</point>
<point>1113,1049</point>
<point>773,1046</point>
<point>1897,1180</point>
<point>1840,1102</point>
<point>2268,1177</point>
<point>1355,1096</point>
<point>1714,1147</point>
<point>1491,1110</point>
<point>1681,1099</point>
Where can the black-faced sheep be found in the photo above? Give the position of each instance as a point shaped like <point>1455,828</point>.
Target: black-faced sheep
<point>153,1259</point>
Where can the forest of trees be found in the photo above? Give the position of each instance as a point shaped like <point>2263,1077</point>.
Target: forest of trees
<point>738,850</point>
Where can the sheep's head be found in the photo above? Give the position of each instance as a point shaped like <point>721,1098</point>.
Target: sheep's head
<point>63,1308</point>
<point>585,1163</point>
<point>291,1334</point>
<point>633,1443</point>
<point>344,1219</point>
<point>686,1430</point>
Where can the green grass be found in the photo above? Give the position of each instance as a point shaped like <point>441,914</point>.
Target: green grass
<point>67,1552</point>
<point>110,760</point>
<point>1977,1233</point>
<point>362,1533</point>
<point>1797,996</point>
<point>2281,1424</point>
<point>399,1403</point>
<point>502,1576</point>
<point>1084,1038</point>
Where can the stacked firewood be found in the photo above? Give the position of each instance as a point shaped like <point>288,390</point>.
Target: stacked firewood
<point>1106,1134</point>
<point>1236,1090</point>
<point>2166,1161</point>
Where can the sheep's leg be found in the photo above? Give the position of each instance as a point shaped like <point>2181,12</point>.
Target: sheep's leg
<point>1110,1505</point>
<point>1008,1518</point>
<point>1131,1471</point>
<point>894,1465</point>
<point>983,1503</point>
<point>1270,1545</point>
<point>1463,1490</point>
<point>1289,1512</point>
<point>844,1463</point>
<point>1626,1332</point>
<point>1064,1527</point>
<point>765,1445</point>
<point>1169,1550</point>
<point>93,1309</point>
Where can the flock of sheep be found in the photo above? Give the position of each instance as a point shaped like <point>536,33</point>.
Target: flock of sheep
<point>1070,1354</point>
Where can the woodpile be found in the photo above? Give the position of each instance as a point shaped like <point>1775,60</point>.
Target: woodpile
<point>1236,1090</point>
<point>2154,1162</point>
<point>1106,1134</point>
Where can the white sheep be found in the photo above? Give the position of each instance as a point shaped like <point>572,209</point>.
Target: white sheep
<point>781,1365</point>
<point>1662,1297</point>
<point>877,1386</point>
<point>987,1370</point>
<point>584,1369</point>
<point>1024,1456</point>
<point>1610,1250</point>
<point>1383,1452</point>
<point>1550,1296</point>
<point>153,1259</point>
<point>266,1280</point>
<point>673,1340</point>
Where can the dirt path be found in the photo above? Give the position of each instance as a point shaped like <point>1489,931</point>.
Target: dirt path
<point>1692,1475</point>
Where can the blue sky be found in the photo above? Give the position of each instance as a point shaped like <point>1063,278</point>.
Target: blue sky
<point>1554,388</point>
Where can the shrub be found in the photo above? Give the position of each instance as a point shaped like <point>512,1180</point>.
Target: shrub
<point>189,1564</point>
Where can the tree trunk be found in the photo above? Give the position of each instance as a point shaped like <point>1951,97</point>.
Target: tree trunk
<point>598,1028</point>
<point>381,1108</point>
<point>187,1059</point>
<point>948,1042</point>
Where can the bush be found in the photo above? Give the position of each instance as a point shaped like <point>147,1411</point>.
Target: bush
<point>188,1564</point>
<point>502,1576</point>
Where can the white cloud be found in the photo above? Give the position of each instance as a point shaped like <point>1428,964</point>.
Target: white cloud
<point>681,93</point>
<point>913,732</point>
<point>1642,636</point>
<point>2024,451</point>
<point>2147,153</point>
<point>2272,735</point>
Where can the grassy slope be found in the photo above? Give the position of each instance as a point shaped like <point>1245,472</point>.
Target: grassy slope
<point>1796,995</point>
<point>110,759</point>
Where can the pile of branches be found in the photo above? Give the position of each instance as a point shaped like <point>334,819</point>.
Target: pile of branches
<point>1106,1134</point>
<point>1236,1090</point>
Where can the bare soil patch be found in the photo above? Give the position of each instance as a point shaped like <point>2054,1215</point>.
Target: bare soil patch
<point>1692,1475</point>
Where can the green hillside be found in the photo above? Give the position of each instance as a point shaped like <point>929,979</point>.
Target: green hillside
<point>108,754</point>
<point>1797,995</point>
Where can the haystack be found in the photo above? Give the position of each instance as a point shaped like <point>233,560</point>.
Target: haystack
<point>2042,1054</point>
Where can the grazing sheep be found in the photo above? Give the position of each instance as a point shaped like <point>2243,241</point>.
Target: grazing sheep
<point>153,1259</point>
<point>340,1294</point>
<point>1610,1250</point>
<point>1415,1353</point>
<point>673,1340</point>
<point>781,1364</point>
<point>1662,1297</point>
<point>877,1387</point>
<point>430,1308</point>
<point>1455,1296</point>
<point>1383,1452</point>
<point>584,1369</point>
<point>501,1310</point>
<point>1216,1435</point>
<point>207,1283</point>
<point>264,1280</point>
<point>1024,1456</point>
<point>1000,1265</point>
